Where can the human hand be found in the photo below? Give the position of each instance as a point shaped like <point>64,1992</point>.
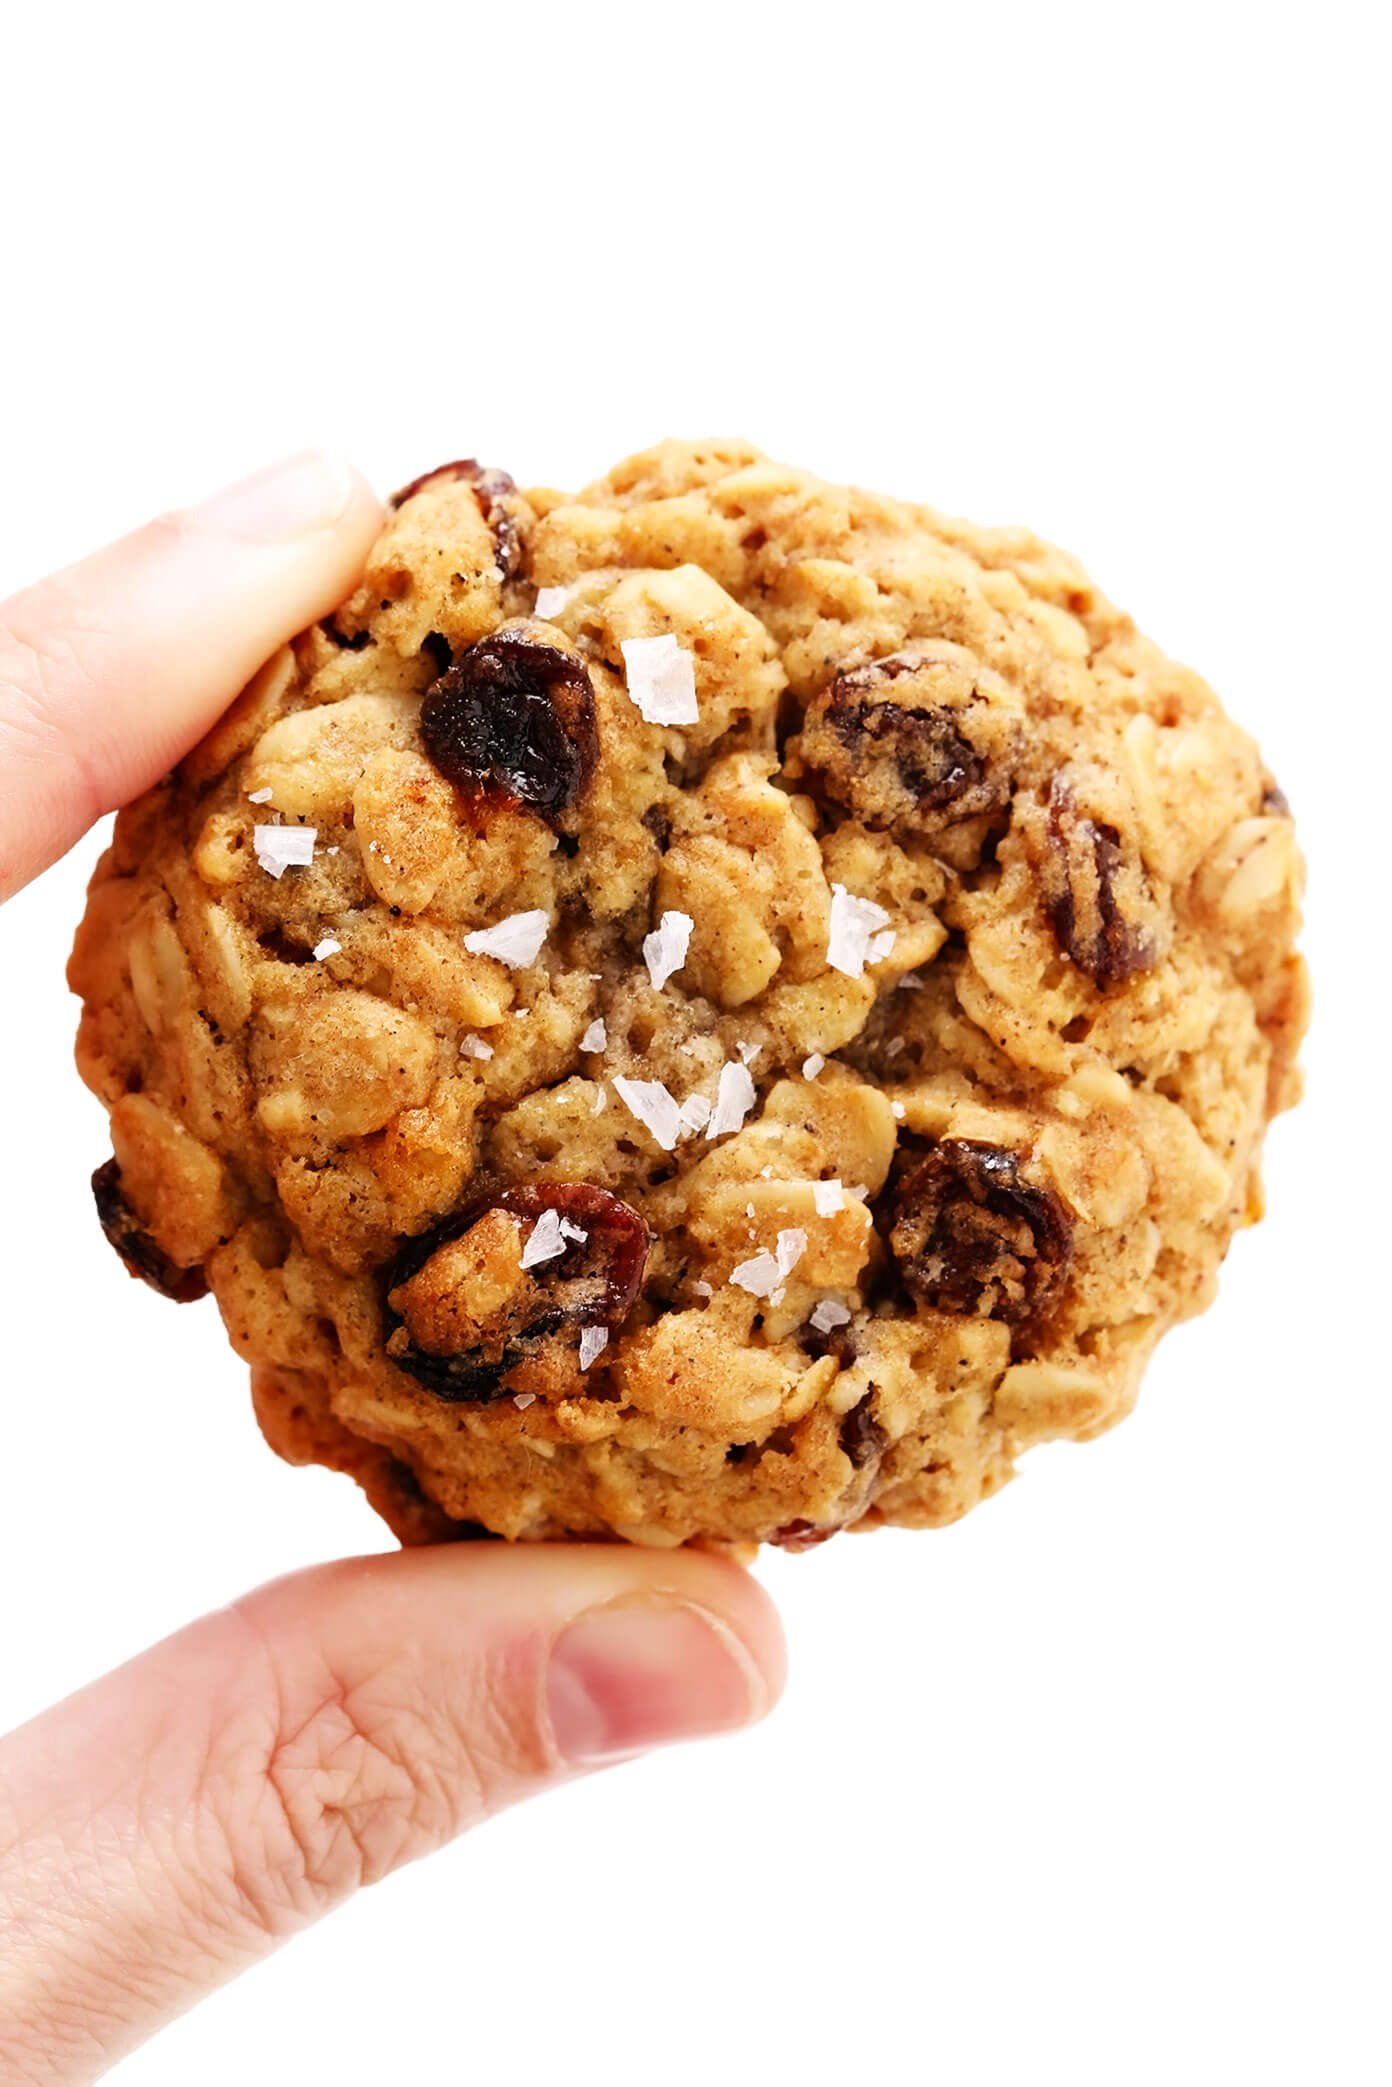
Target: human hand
<point>172,1823</point>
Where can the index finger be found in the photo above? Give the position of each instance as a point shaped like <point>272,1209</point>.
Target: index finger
<point>112,669</point>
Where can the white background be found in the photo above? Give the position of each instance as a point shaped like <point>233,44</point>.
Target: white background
<point>1093,1787</point>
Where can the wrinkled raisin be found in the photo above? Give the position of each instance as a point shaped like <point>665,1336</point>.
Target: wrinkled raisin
<point>135,1246</point>
<point>803,1536</point>
<point>861,1437</point>
<point>594,1283</point>
<point>884,745</point>
<point>517,716</point>
<point>491,490</point>
<point>972,1238</point>
<point>1093,894</point>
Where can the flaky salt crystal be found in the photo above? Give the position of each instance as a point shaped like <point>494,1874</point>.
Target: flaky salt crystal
<point>596,1037</point>
<point>472,1046</point>
<point>259,796</point>
<point>828,1197</point>
<point>695,1114</point>
<point>654,1107</point>
<point>661,679</point>
<point>700,1289</point>
<point>897,1109</point>
<point>282,848</point>
<point>329,947</point>
<point>789,1250</point>
<point>760,1275</point>
<point>550,601</point>
<point>748,1052</point>
<point>853,922</point>
<point>575,1232</point>
<point>544,1242</point>
<point>909,983</point>
<point>734,1098</point>
<point>593,1340</point>
<point>523,1399</point>
<point>664,950</point>
<point>828,1315</point>
<point>599,1104</point>
<point>812,1066</point>
<point>882,945</point>
<point>515,941</point>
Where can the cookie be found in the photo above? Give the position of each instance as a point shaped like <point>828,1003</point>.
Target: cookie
<point>719,1009</point>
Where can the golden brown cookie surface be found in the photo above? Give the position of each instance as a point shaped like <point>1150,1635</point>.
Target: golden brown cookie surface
<point>721,1008</point>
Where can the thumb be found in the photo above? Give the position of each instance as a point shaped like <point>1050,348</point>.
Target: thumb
<point>111,670</point>
<point>174,1822</point>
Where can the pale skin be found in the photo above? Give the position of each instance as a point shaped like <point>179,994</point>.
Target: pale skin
<point>174,1822</point>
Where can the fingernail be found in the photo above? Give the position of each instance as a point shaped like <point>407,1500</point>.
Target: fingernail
<point>641,1674</point>
<point>296,497</point>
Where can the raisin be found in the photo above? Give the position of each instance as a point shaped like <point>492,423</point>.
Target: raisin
<point>491,490</point>
<point>594,1283</point>
<point>803,1536</point>
<point>1092,892</point>
<point>897,756</point>
<point>972,1238</point>
<point>135,1246</point>
<point>516,717</point>
<point>862,1438</point>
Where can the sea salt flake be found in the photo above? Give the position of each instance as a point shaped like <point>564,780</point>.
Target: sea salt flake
<point>894,1046</point>
<point>515,941</point>
<point>789,1249</point>
<point>575,1232</point>
<point>734,1098</point>
<point>661,680</point>
<point>861,1191</point>
<point>664,950</point>
<point>593,1339</point>
<point>329,947</point>
<point>695,1114</point>
<point>828,1197</point>
<point>828,1315</point>
<point>599,1104</point>
<point>523,1399</point>
<point>748,1052</point>
<point>596,1037</point>
<point>760,1275</point>
<point>896,1108</point>
<point>654,1107</point>
<point>812,1066</point>
<point>259,796</point>
<point>472,1046</point>
<point>849,939</point>
<point>545,1241</point>
<point>909,983</point>
<point>700,1289</point>
<point>882,945</point>
<point>766,1173</point>
<point>749,1210</point>
<point>282,848</point>
<point>550,601</point>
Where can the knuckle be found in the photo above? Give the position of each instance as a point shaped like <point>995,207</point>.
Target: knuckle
<point>332,1784</point>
